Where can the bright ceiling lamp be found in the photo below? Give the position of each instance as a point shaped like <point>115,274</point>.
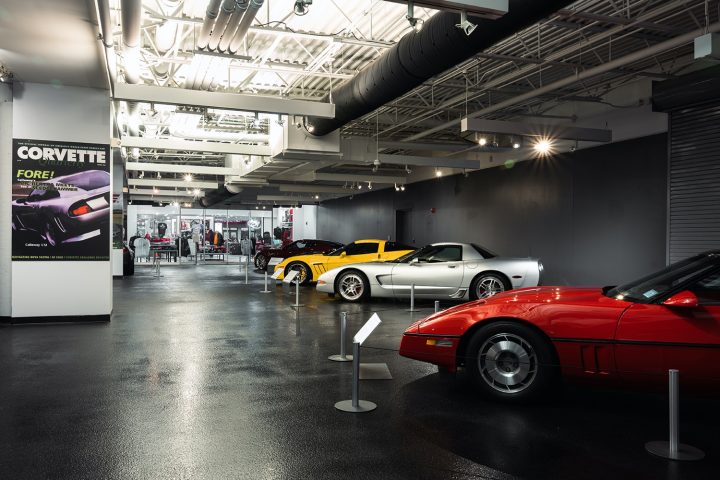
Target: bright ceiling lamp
<point>482,141</point>
<point>188,177</point>
<point>543,147</point>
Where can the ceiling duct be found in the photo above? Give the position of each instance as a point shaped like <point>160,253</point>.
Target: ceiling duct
<point>245,23</point>
<point>420,55</point>
<point>222,22</point>
<point>240,9</point>
<point>211,14</point>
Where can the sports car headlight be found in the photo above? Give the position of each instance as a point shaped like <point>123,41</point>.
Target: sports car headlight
<point>321,282</point>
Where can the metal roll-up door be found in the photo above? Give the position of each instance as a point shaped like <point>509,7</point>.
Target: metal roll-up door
<point>694,180</point>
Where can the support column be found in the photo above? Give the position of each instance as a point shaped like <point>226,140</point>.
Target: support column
<point>59,290</point>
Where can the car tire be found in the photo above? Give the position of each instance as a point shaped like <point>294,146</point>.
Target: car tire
<point>352,286</point>
<point>511,362</point>
<point>487,284</point>
<point>261,262</point>
<point>304,273</point>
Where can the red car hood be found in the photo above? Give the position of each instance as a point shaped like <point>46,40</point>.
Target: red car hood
<point>523,299</point>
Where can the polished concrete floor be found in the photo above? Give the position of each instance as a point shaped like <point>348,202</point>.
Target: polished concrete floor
<point>200,376</point>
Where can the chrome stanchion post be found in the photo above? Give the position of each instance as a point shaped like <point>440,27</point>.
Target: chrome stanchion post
<point>412,298</point>
<point>355,405</point>
<point>673,449</point>
<point>297,294</point>
<point>266,284</point>
<point>437,306</point>
<point>343,328</point>
<point>247,267</point>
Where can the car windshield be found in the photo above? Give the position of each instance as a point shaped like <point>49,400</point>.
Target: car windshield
<point>433,253</point>
<point>652,287</point>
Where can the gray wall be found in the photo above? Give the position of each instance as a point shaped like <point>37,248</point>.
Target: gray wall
<point>594,217</point>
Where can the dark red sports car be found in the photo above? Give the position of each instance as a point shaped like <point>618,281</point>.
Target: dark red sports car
<point>298,247</point>
<point>517,345</point>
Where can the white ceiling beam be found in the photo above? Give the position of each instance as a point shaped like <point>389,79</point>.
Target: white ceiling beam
<point>193,146</point>
<point>484,8</point>
<point>159,182</point>
<point>345,177</point>
<point>163,193</point>
<point>225,101</point>
<point>436,147</point>
<point>447,162</point>
<point>184,169</point>
<point>312,189</point>
<point>289,199</point>
<point>564,132</point>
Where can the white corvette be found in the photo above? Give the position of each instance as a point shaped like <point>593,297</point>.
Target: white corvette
<point>438,271</point>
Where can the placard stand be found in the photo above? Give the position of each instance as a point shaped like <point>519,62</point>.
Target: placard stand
<point>343,327</point>
<point>673,449</point>
<point>355,405</point>
<point>437,306</point>
<point>288,280</point>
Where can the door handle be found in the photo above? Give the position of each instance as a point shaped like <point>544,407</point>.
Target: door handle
<point>452,266</point>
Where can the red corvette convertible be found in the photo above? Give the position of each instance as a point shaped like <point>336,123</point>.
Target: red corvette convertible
<point>517,345</point>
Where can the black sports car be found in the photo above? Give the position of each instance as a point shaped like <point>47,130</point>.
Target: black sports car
<point>66,209</point>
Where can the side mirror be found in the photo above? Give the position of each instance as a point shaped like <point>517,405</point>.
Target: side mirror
<point>343,254</point>
<point>686,298</point>
<point>21,201</point>
<point>414,261</point>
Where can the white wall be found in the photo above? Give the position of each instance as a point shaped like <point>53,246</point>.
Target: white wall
<point>5,195</point>
<point>305,222</point>
<point>70,114</point>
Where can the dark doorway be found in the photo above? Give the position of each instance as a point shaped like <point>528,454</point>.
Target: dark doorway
<point>403,227</point>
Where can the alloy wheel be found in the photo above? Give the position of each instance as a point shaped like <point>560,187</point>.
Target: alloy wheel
<point>489,286</point>
<point>352,286</point>
<point>507,363</point>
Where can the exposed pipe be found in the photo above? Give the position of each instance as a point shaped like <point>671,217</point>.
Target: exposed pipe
<point>584,75</point>
<point>247,19</point>
<point>226,11</point>
<point>240,9</point>
<point>420,55</point>
<point>131,17</point>
<point>211,14</point>
<point>105,23</point>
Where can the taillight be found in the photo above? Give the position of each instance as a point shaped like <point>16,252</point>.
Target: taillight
<point>81,209</point>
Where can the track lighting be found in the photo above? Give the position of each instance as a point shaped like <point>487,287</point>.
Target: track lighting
<point>317,197</point>
<point>196,192</point>
<point>516,145</point>
<point>438,172</point>
<point>482,141</point>
<point>407,170</point>
<point>359,186</point>
<point>155,190</point>
<point>397,189</point>
<point>301,7</point>
<point>188,178</point>
<point>142,175</point>
<point>543,146</point>
<point>466,25</point>
<point>369,185</point>
<point>402,188</point>
<point>159,176</point>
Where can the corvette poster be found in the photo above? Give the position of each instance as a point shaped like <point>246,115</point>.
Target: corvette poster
<point>61,201</point>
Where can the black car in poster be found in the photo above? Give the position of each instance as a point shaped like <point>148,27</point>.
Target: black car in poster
<point>66,209</point>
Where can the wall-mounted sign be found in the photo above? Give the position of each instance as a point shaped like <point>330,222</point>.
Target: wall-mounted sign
<point>61,201</point>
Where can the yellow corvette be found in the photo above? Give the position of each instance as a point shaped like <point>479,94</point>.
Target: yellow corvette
<point>310,267</point>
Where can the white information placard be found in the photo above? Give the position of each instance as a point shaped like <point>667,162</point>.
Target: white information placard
<point>290,276</point>
<point>274,261</point>
<point>276,274</point>
<point>367,329</point>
